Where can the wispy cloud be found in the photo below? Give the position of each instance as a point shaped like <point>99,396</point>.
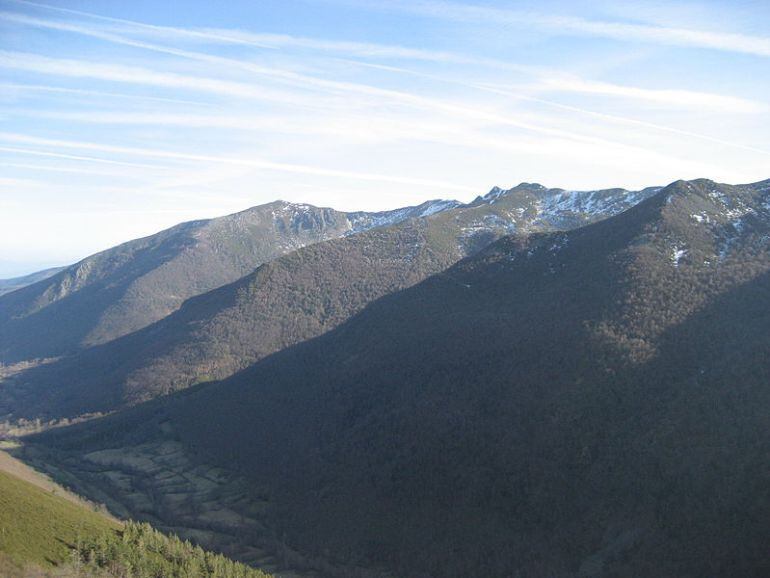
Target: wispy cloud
<point>571,25</point>
<point>250,161</point>
<point>113,72</point>
<point>353,127</point>
<point>285,76</point>
<point>549,79</point>
<point>118,73</point>
<point>638,123</point>
<point>604,147</point>
<point>9,88</point>
<point>57,155</point>
<point>689,98</point>
<point>268,41</point>
<point>79,169</point>
<point>555,81</point>
<point>155,29</point>
<point>678,98</point>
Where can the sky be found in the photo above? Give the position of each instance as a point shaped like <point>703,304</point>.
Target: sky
<point>119,119</point>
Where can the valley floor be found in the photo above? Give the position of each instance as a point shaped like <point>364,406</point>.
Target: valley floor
<point>159,483</point>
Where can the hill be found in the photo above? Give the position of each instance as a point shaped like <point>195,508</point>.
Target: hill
<point>130,286</point>
<point>40,527</point>
<point>43,534</point>
<point>8,285</point>
<point>588,403</point>
<point>293,298</point>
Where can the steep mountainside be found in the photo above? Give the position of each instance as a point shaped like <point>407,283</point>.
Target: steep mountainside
<point>8,285</point>
<point>589,403</point>
<point>123,289</point>
<point>293,298</point>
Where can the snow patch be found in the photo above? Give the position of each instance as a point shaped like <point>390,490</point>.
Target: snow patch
<point>560,204</point>
<point>676,255</point>
<point>701,218</point>
<point>437,207</point>
<point>361,221</point>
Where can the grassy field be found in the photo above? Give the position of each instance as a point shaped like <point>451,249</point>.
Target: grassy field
<point>18,469</point>
<point>46,535</point>
<point>40,527</point>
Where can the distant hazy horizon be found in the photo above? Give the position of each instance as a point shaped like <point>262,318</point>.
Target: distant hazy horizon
<point>122,119</point>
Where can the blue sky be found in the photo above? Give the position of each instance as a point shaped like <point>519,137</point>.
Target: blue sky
<point>122,118</point>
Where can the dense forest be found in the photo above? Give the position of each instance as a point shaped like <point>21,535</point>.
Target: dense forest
<point>139,551</point>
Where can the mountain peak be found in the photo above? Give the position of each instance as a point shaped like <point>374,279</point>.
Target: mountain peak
<point>496,192</point>
<point>530,186</point>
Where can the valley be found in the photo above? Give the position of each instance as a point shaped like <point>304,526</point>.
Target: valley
<point>47,531</point>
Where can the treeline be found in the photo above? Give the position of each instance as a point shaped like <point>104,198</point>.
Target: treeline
<point>140,551</point>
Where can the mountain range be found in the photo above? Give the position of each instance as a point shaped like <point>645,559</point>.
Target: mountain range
<point>130,286</point>
<point>290,299</point>
<point>538,383</point>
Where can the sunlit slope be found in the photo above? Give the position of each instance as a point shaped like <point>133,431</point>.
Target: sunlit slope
<point>42,534</point>
<point>40,527</point>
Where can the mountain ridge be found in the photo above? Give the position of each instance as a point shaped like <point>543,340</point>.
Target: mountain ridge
<point>125,288</point>
<point>14,283</point>
<point>299,296</point>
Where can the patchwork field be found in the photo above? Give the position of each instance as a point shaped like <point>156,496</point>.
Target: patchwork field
<point>159,483</point>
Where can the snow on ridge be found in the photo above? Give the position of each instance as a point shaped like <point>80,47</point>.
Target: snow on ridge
<point>559,203</point>
<point>494,194</point>
<point>292,209</point>
<point>437,207</point>
<point>676,255</point>
<point>362,221</point>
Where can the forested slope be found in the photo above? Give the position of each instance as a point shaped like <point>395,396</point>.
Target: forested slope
<point>130,286</point>
<point>291,299</point>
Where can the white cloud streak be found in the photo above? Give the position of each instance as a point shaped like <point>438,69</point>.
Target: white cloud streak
<point>80,170</point>
<point>549,79</point>
<point>39,153</point>
<point>11,87</point>
<point>252,162</point>
<point>744,106</point>
<point>557,81</point>
<point>759,45</point>
<point>75,68</point>
<point>571,25</point>
<point>678,98</point>
<point>385,96</point>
